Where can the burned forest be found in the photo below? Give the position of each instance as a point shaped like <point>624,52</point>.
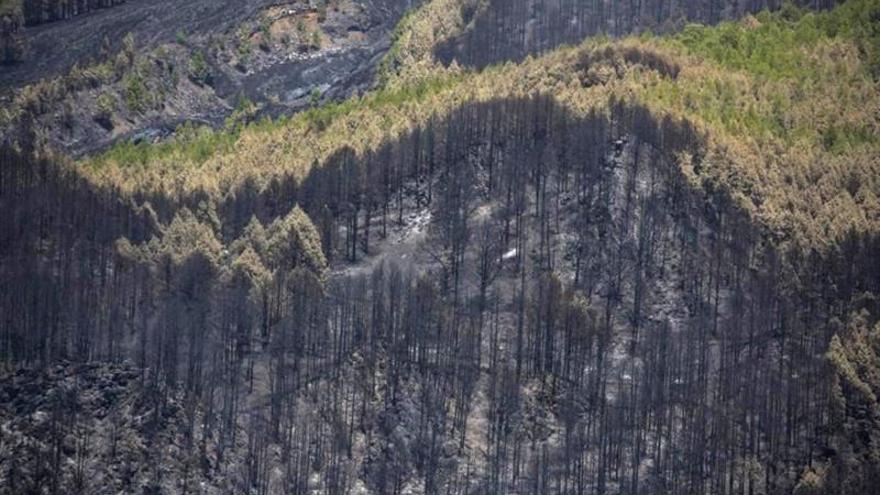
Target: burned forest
<point>646,264</point>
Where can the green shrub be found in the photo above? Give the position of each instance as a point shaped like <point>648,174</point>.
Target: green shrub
<point>128,48</point>
<point>199,72</point>
<point>106,104</point>
<point>137,96</point>
<point>315,97</point>
<point>244,113</point>
<point>244,43</point>
<point>265,36</point>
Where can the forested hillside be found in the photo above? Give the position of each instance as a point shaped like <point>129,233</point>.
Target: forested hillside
<point>645,264</point>
<point>499,30</point>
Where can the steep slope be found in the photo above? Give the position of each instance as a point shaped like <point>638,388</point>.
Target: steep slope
<point>83,35</point>
<point>569,281</point>
<point>798,127</point>
<point>479,33</point>
<point>513,30</point>
<point>591,272</point>
<point>141,69</point>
